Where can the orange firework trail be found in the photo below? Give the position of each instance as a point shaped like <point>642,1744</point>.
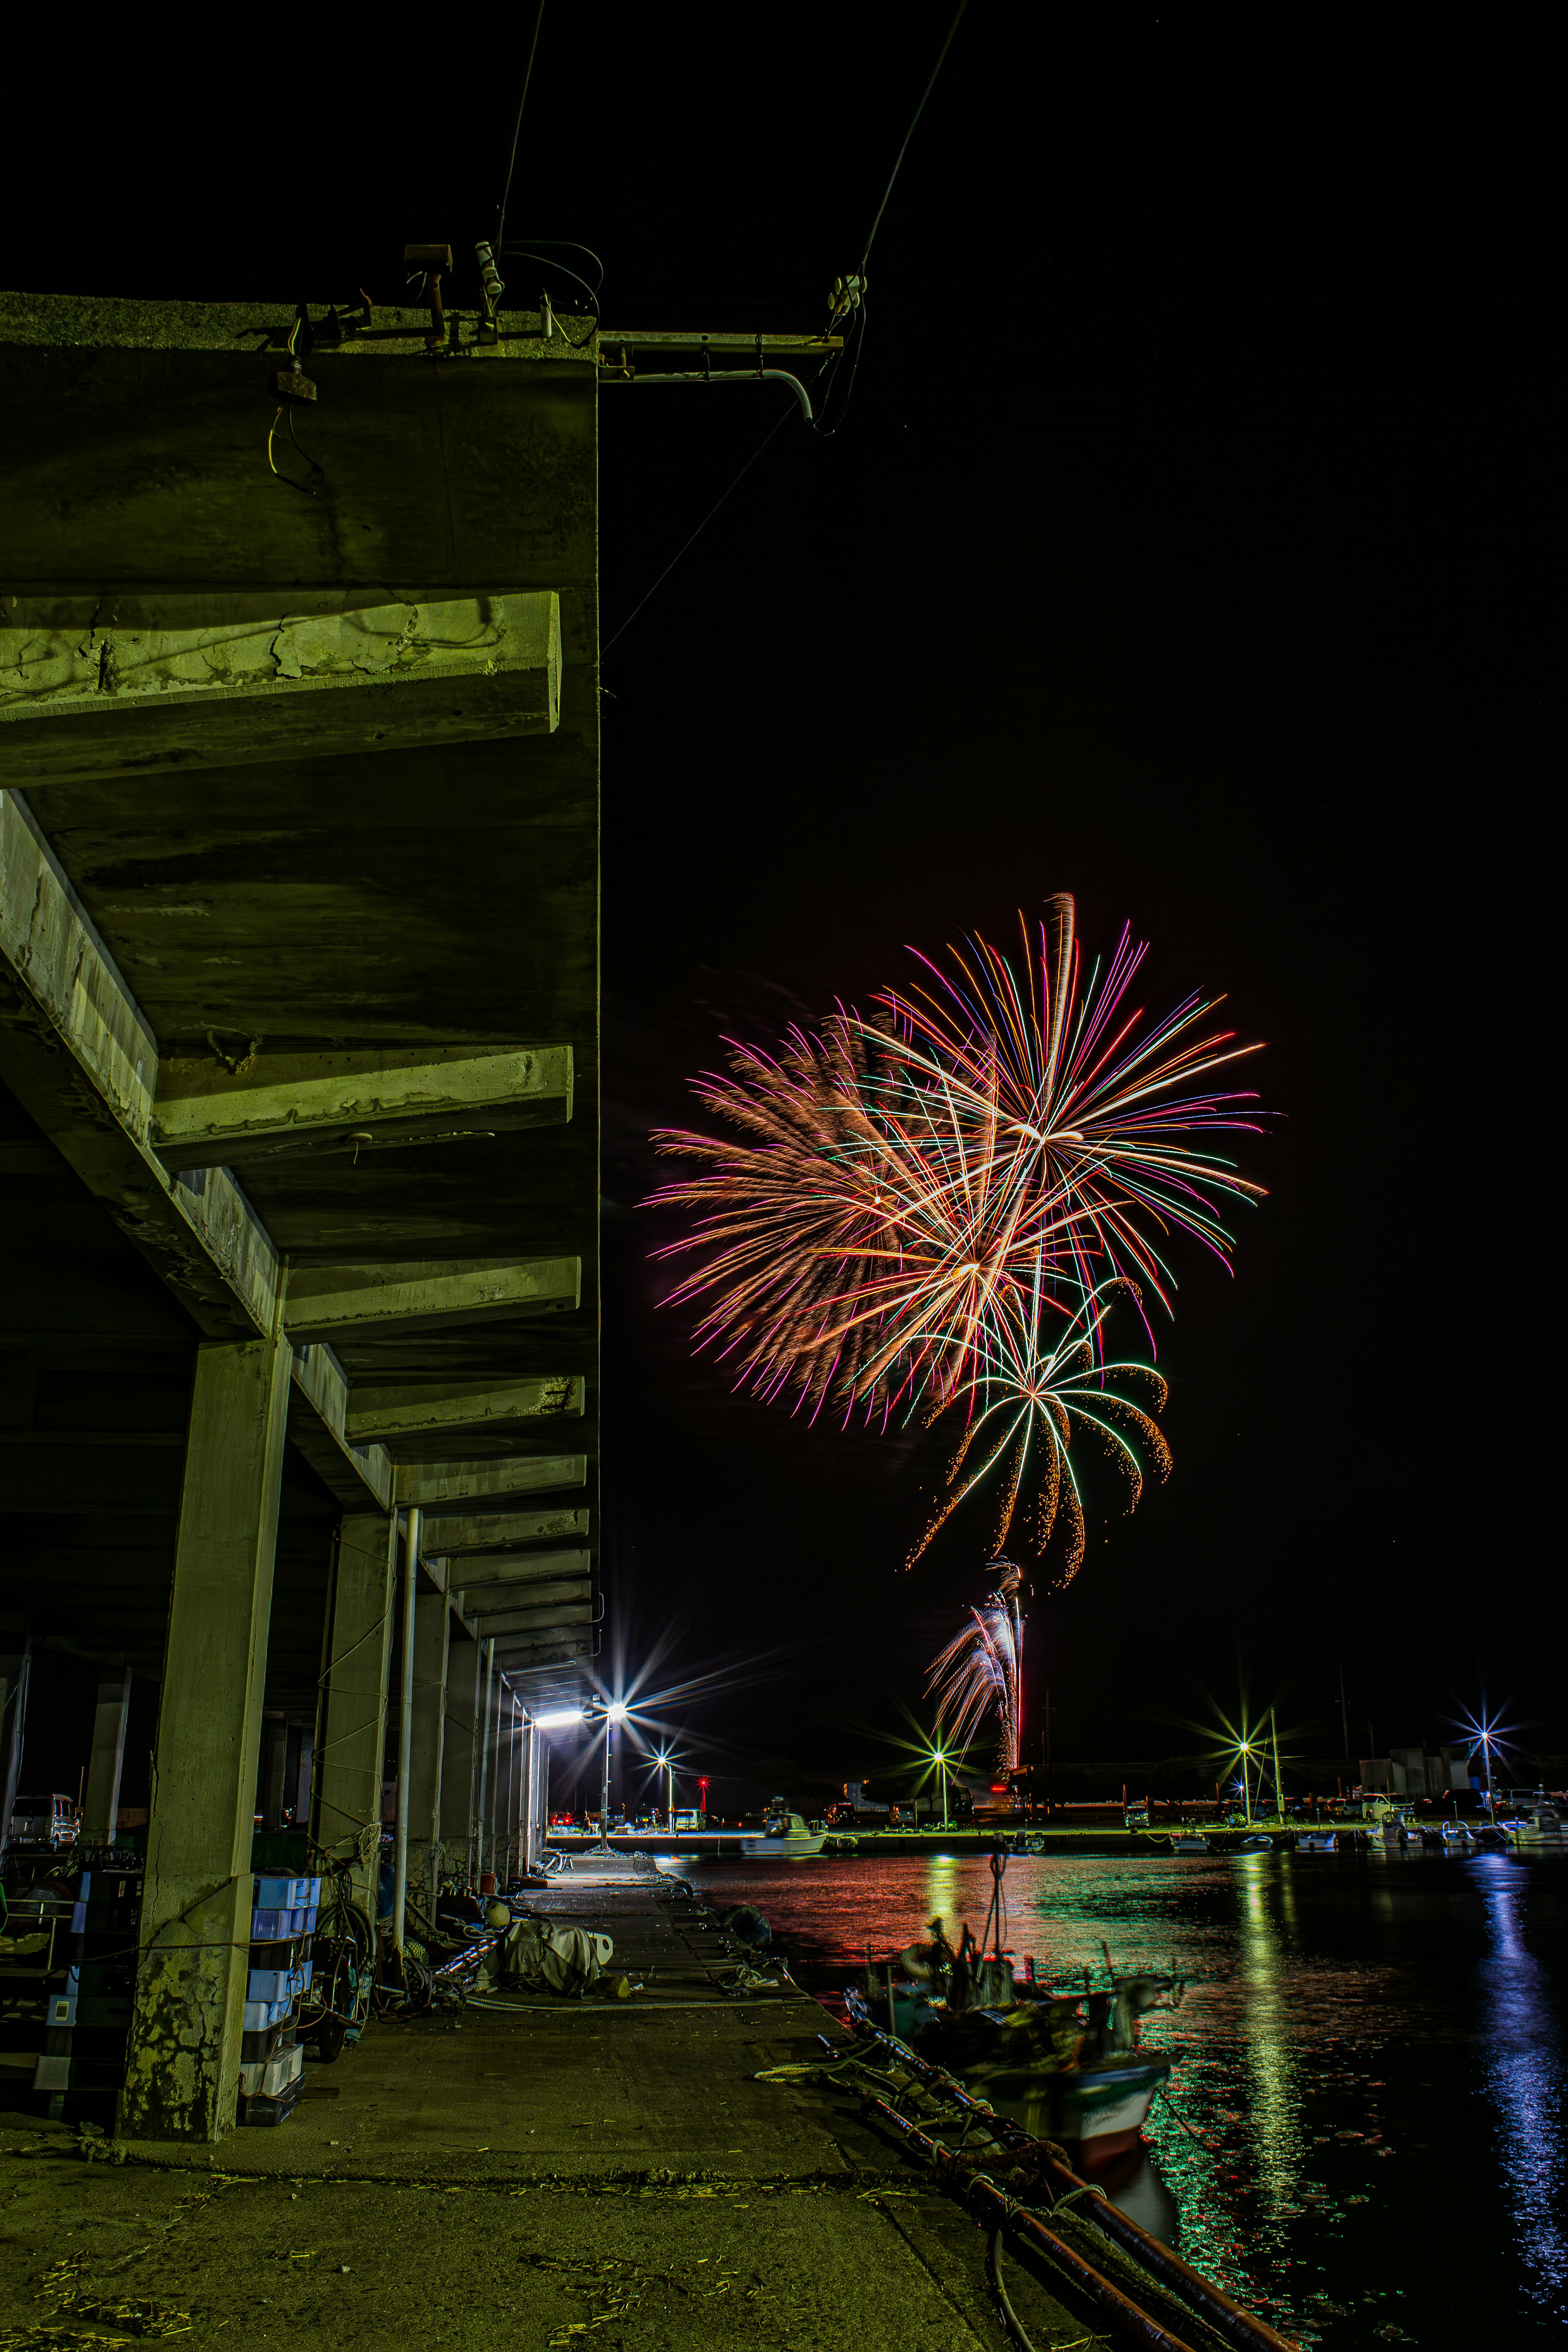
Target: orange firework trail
<point>894,1190</point>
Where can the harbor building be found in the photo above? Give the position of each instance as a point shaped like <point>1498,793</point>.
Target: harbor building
<point>299,903</point>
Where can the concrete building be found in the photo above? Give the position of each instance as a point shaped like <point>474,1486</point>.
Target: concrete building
<point>298,784</point>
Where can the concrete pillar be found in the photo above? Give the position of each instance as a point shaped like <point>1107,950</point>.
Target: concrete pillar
<point>431,1623</point>
<point>459,1755</point>
<point>100,1805</point>
<point>501,1777</point>
<point>182,2074</point>
<point>484,1776</point>
<point>301,1773</point>
<point>14,1668</point>
<point>271,1797</point>
<point>535,1755</point>
<point>354,1729</point>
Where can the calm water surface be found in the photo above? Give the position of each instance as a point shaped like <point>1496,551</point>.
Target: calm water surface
<point>1365,2134</point>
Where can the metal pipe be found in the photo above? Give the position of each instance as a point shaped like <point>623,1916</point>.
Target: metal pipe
<point>1232,2320</point>
<point>404,1730</point>
<point>533,1811</point>
<point>991,2206</point>
<point>728,375</point>
<point>484,1731</point>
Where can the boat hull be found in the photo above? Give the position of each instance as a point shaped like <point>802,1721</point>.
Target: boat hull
<point>1097,2113</point>
<point>798,1847</point>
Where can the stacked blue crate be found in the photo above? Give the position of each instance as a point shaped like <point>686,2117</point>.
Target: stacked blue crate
<point>86,2021</point>
<point>282,1922</point>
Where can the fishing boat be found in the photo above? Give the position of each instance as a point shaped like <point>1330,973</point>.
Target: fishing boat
<point>1064,2065</point>
<point>784,1837</point>
<point>1315,1841</point>
<point>1191,1842</point>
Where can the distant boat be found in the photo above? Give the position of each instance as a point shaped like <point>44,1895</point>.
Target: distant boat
<point>1191,1842</point>
<point>1314,1840</point>
<point>784,1837</point>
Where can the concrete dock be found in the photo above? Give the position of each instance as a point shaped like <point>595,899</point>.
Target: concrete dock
<point>528,2172</point>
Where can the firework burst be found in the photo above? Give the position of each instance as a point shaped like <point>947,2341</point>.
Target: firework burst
<point>895,1191</point>
<point>1039,1393</point>
<point>982,1669</point>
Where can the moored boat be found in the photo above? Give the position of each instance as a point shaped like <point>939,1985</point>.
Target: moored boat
<point>784,1837</point>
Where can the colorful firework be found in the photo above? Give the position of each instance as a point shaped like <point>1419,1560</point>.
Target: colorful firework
<point>982,1668</point>
<point>900,1186</point>
<point>1039,1393</point>
<point>1077,1091</point>
<point>855,1238</point>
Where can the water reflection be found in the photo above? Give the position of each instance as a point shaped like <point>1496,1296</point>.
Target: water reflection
<point>1323,2167</point>
<point>1523,2075</point>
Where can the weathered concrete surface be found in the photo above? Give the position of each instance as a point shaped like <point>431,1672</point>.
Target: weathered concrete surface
<point>879,2263</point>
<point>182,2071</point>
<point>535,2174</point>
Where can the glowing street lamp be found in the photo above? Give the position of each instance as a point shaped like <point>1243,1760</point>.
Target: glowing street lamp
<point>940,1759</point>
<point>665,1764</point>
<point>1245,1778</point>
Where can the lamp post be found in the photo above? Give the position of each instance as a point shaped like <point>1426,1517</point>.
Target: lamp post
<point>1246,1779</point>
<point>942,1768</point>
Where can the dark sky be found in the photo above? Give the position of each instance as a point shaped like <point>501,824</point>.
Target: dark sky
<point>1178,551</point>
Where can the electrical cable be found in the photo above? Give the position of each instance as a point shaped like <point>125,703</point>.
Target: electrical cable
<point>1011,2323</point>
<point>517,127</point>
<point>914,123</point>
<point>701,527</point>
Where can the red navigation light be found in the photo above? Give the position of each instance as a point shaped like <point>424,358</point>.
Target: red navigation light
<point>998,1788</point>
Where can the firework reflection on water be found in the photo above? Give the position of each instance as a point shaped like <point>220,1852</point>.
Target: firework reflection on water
<point>1343,2093</point>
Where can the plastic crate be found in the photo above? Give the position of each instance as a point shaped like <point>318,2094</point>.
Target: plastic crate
<point>287,1894</point>
<point>260,2014</point>
<point>63,2071</point>
<point>265,2111</point>
<point>271,2078</point>
<point>278,1984</point>
<point>276,1926</point>
<point>255,2048</point>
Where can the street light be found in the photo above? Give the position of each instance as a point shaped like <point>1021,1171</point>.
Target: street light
<point>940,1759</point>
<point>665,1764</point>
<point>1245,1781</point>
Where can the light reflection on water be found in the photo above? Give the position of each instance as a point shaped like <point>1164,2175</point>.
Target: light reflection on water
<point>1524,2082</point>
<point>1370,2070</point>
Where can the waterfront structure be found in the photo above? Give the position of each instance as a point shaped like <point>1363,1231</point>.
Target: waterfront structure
<point>299,774</point>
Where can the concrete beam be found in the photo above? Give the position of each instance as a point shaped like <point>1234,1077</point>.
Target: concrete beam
<point>288,1104</point>
<point>499,1606</point>
<point>473,1572</point>
<point>533,1623</point>
<point>80,1056</point>
<point>435,1485</point>
<point>360,1477</point>
<point>182,2074</point>
<point>458,1408</point>
<point>566,1649</point>
<point>122,682</point>
<point>364,1301</point>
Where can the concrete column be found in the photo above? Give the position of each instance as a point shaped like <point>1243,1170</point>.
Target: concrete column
<point>534,1754</point>
<point>100,1805</point>
<point>14,1668</point>
<point>271,1798</point>
<point>484,1776</point>
<point>354,1729</point>
<point>459,1755</point>
<point>432,1622</point>
<point>502,1812</point>
<point>301,1774</point>
<point>182,2074</point>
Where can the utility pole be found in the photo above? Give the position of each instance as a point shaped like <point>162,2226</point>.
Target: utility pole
<point>1278,1791</point>
<point>1345,1718</point>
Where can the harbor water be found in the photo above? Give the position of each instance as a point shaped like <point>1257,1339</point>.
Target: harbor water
<point>1364,2136</point>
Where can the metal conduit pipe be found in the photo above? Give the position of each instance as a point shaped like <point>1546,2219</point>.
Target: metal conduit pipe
<point>729,375</point>
<point>997,2211</point>
<point>404,1731</point>
<point>485,1720</point>
<point>1232,2320</point>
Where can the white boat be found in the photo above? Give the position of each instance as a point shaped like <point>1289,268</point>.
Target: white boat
<point>784,1837</point>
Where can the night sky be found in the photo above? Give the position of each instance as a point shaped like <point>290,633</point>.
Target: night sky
<point>1176,550</point>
